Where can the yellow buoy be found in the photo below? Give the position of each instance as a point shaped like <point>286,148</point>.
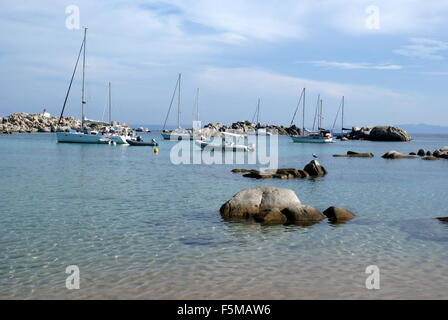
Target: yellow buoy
<point>156,150</point>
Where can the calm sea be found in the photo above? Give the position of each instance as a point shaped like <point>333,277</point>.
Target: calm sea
<point>138,226</point>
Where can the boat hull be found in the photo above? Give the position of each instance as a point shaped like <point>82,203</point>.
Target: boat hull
<point>305,139</point>
<point>69,137</point>
<point>222,147</point>
<point>179,136</point>
<point>118,139</point>
<point>142,143</point>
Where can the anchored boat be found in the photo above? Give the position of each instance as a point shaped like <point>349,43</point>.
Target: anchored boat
<point>225,144</point>
<point>307,136</point>
<point>82,136</point>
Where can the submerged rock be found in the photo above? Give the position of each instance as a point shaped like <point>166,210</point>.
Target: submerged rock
<point>338,215</point>
<point>395,155</point>
<point>352,154</point>
<point>431,158</point>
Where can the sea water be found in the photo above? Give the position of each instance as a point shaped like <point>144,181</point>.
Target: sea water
<point>139,227</point>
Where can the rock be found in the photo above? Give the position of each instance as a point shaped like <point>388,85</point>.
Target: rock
<point>388,134</point>
<point>352,154</point>
<point>274,216</point>
<point>286,173</point>
<point>344,139</point>
<point>257,203</point>
<point>412,154</point>
<point>314,169</point>
<point>338,215</point>
<point>303,214</point>
<point>428,153</point>
<point>244,170</point>
<point>395,155</point>
<point>431,158</point>
<point>257,175</point>
<point>379,133</point>
<point>441,153</point>
<point>421,152</point>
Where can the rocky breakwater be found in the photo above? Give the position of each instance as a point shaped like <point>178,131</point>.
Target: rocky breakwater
<point>379,133</point>
<point>31,123</point>
<point>244,127</point>
<point>270,205</point>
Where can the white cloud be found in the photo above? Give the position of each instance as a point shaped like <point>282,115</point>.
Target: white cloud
<point>279,94</point>
<point>424,48</point>
<point>352,65</point>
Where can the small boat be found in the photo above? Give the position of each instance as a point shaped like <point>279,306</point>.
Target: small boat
<point>141,143</point>
<point>225,145</point>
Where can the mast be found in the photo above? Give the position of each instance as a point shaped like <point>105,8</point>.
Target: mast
<point>303,113</point>
<point>258,111</point>
<point>110,104</point>
<point>320,115</point>
<point>197,104</point>
<point>343,103</point>
<point>178,103</point>
<point>83,102</point>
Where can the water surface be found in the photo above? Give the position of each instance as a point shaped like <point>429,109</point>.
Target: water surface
<point>139,226</point>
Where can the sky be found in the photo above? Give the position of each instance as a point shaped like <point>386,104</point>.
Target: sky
<point>387,57</point>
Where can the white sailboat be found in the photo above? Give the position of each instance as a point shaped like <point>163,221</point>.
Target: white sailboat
<point>117,134</point>
<point>258,131</point>
<point>179,133</point>
<point>341,108</point>
<point>307,136</point>
<point>82,136</point>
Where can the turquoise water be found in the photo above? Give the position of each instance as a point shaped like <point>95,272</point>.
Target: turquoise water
<point>138,226</point>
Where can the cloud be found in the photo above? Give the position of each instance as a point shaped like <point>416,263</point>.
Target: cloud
<point>352,65</point>
<point>424,48</point>
<point>279,94</point>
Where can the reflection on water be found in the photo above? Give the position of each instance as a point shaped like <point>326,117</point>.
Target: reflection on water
<point>141,227</point>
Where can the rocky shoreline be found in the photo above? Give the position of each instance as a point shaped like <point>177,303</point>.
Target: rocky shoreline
<point>43,122</point>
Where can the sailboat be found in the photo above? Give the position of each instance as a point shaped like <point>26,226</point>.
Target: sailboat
<point>341,108</point>
<point>82,136</point>
<point>179,133</point>
<point>257,131</point>
<point>307,136</point>
<point>117,134</point>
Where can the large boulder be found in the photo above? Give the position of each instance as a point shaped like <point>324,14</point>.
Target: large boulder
<point>338,215</point>
<point>314,169</point>
<point>388,133</point>
<point>268,205</point>
<point>379,133</point>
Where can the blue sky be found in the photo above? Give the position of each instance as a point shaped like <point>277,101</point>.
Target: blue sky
<point>235,52</point>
